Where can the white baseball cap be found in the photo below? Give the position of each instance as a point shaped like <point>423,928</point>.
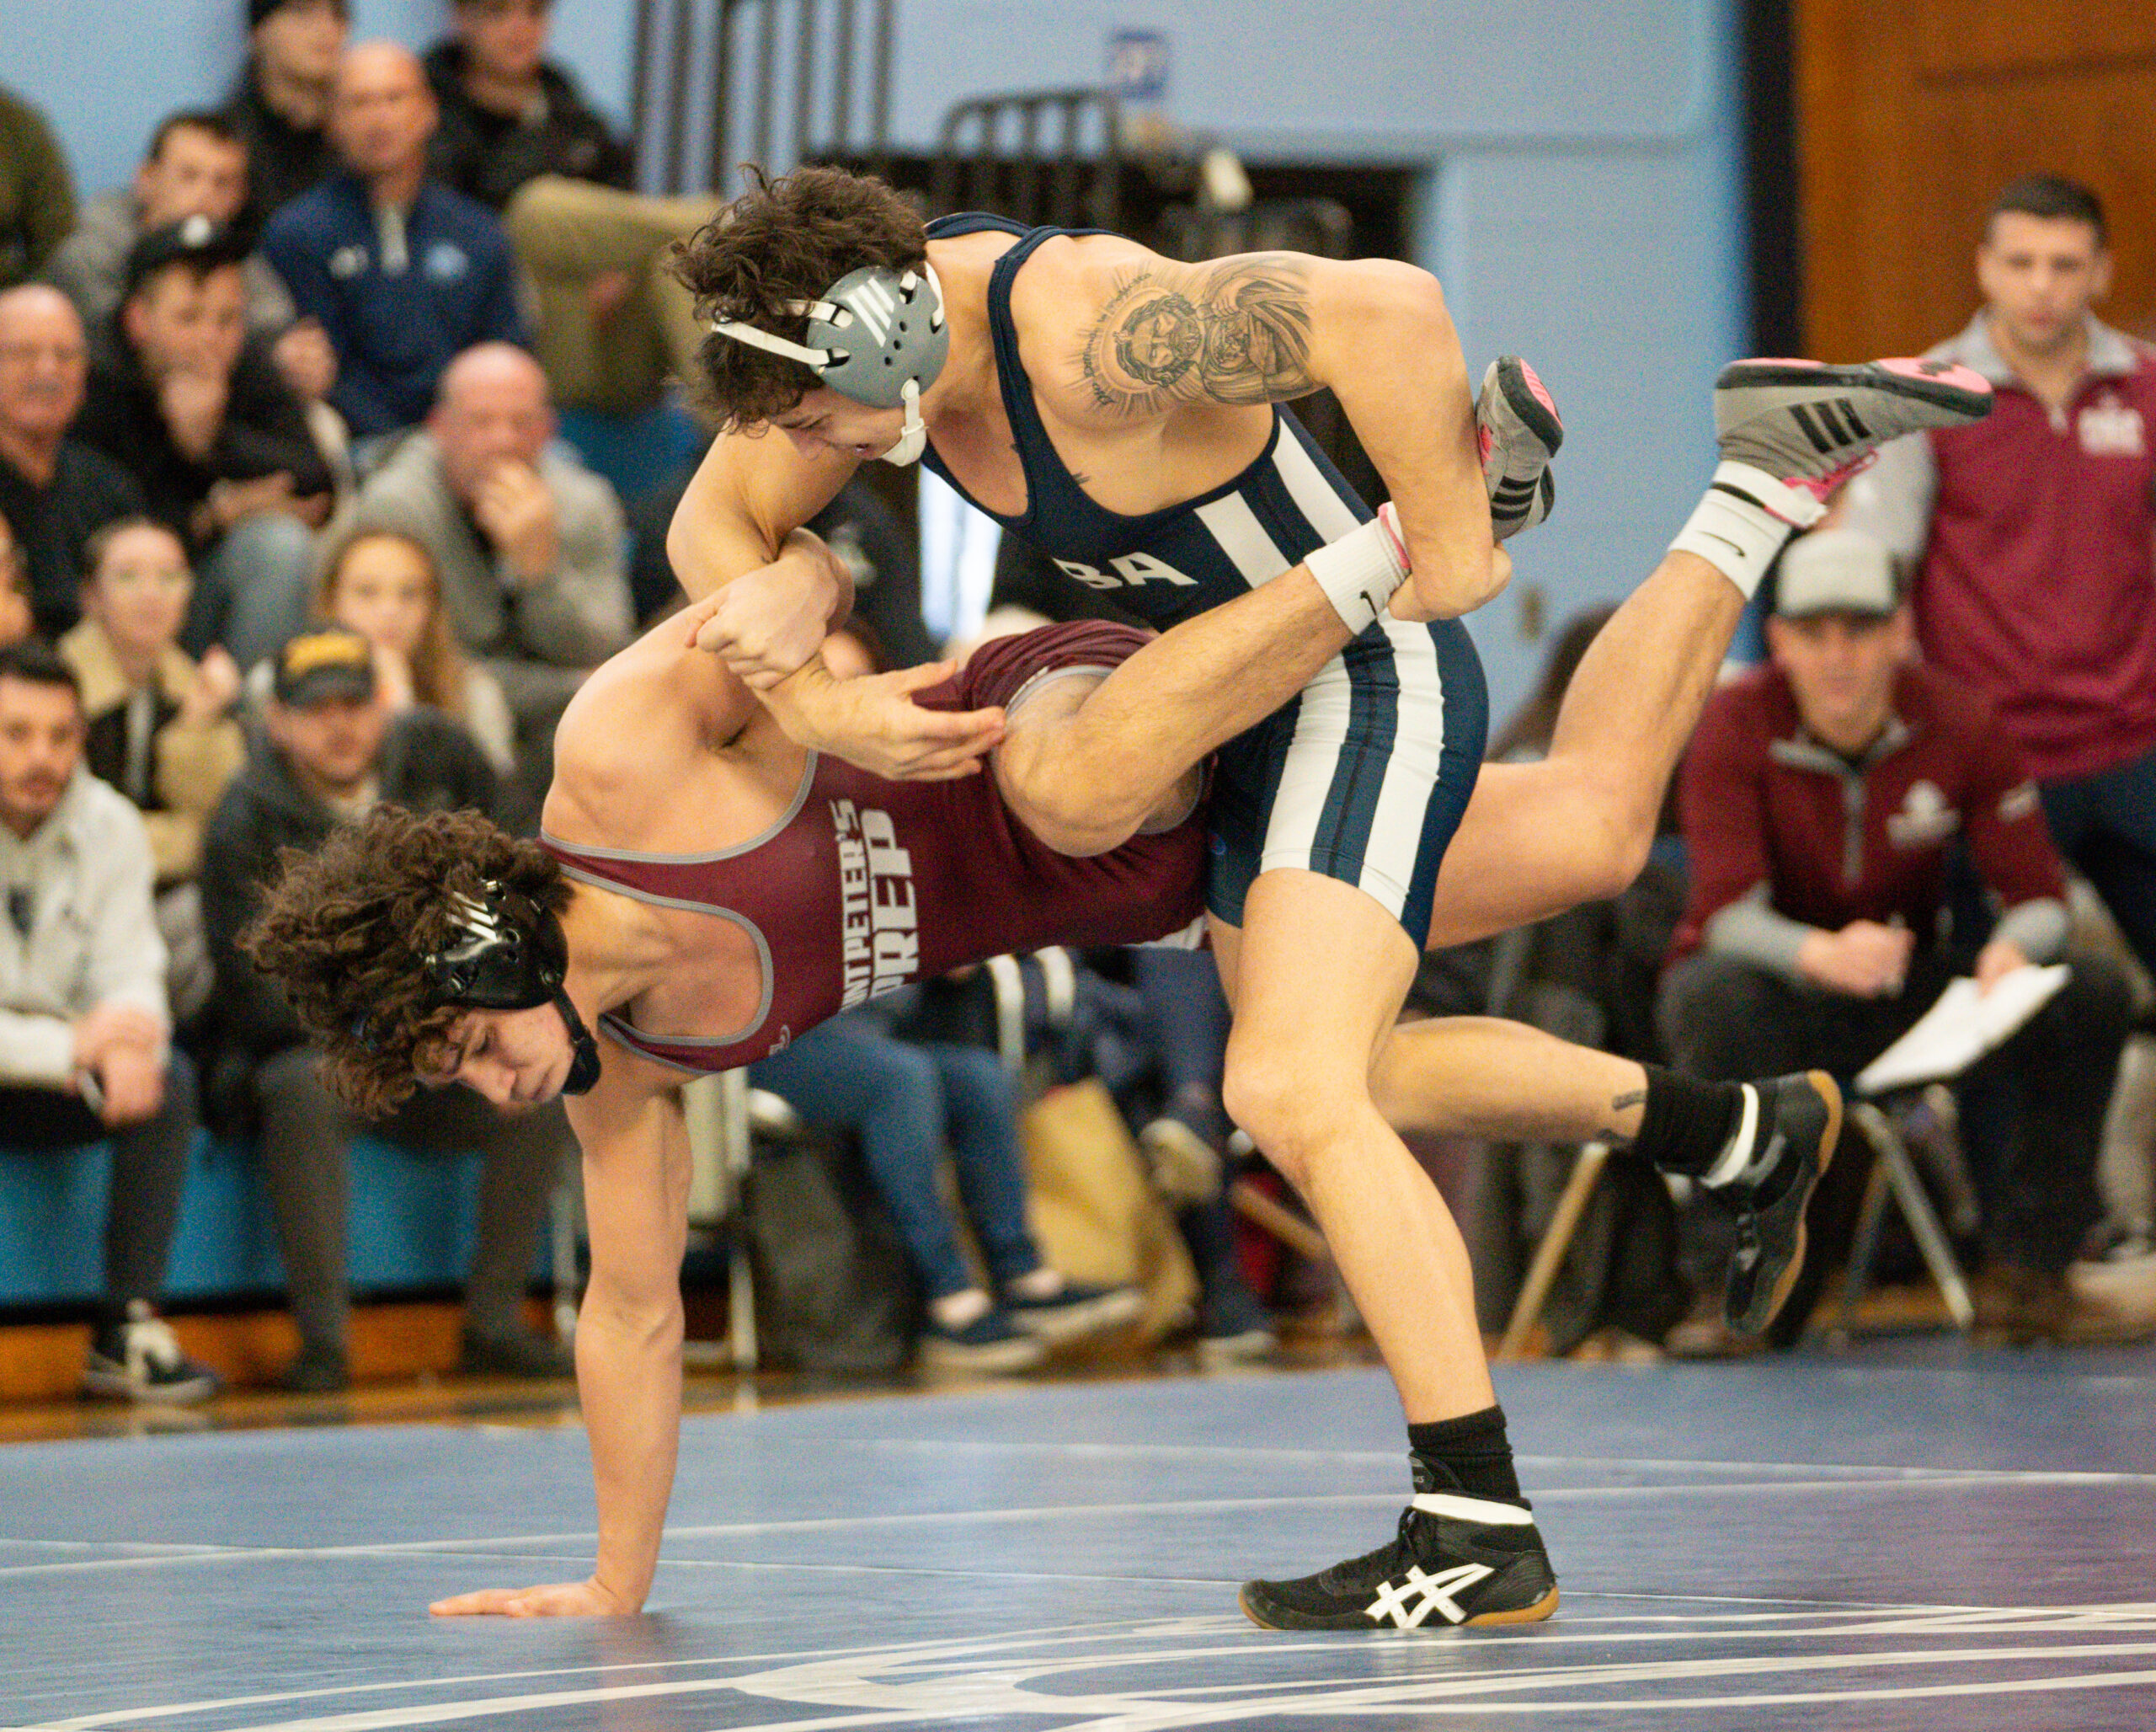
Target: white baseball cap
<point>1835,571</point>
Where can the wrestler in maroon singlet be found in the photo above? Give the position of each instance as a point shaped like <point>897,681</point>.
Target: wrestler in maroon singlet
<point>865,883</point>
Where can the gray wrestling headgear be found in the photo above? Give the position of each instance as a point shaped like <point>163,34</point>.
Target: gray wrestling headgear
<point>509,954</point>
<point>877,337</point>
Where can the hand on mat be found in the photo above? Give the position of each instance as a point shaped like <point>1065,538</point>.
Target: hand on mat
<point>584,1599</point>
<point>875,724</point>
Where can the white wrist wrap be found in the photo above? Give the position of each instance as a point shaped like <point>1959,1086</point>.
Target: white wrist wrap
<point>1744,522</point>
<point>1360,572</point>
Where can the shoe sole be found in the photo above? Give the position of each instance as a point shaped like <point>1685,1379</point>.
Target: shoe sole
<point>1110,1311</point>
<point>1005,1357</point>
<point>1527,399</point>
<point>196,1390</point>
<point>1827,1138</point>
<point>1540,1610</point>
<point>1898,377</point>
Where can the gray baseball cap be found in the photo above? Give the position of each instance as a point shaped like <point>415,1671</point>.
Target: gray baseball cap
<point>1835,571</point>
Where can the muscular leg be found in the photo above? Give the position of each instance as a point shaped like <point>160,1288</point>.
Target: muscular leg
<point>1506,1083</point>
<point>1540,838</point>
<point>1316,977</point>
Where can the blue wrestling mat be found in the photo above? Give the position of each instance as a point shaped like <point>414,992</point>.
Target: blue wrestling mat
<point>1913,1536</point>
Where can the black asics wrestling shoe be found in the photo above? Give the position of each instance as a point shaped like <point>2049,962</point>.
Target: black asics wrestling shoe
<point>1786,1141</point>
<point>1455,1560</point>
<point>1813,426</point>
<point>1519,430</point>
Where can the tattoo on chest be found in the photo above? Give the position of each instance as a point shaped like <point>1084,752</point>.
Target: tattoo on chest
<point>1233,334</point>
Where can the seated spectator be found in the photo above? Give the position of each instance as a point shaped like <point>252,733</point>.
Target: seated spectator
<point>1819,800</point>
<point>55,491</point>
<point>37,197</point>
<point>196,166</point>
<point>528,543</point>
<point>906,1100</point>
<point>160,729</point>
<point>400,271</point>
<point>17,622</point>
<point>279,107</point>
<point>508,114</point>
<point>197,411</point>
<point>516,133</point>
<point>384,587</point>
<point>334,752</point>
<point>83,1054</point>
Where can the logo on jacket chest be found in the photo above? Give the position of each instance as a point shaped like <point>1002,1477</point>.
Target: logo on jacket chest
<point>2111,427</point>
<point>879,931</point>
<point>1926,818</point>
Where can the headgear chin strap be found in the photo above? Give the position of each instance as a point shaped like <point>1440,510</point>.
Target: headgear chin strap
<point>509,954</point>
<point>877,337</point>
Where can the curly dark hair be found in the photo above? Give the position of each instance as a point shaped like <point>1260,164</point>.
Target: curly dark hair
<point>781,241</point>
<point>345,929</point>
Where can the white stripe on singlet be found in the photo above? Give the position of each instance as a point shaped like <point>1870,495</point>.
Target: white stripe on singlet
<point>1306,777</point>
<point>1245,540</point>
<point>1327,513</point>
<point>1412,770</point>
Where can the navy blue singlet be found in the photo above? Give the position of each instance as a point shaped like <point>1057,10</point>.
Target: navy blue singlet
<point>1364,775</point>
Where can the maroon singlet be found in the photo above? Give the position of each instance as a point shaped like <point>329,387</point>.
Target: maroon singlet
<point>864,883</point>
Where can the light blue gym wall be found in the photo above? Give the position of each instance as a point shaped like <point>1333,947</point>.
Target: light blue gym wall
<point>1579,180</point>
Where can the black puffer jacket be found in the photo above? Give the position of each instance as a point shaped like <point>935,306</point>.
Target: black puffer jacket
<point>487,155</point>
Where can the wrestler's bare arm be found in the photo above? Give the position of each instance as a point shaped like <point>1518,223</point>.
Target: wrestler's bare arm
<point>1151,337</point>
<point>629,1337</point>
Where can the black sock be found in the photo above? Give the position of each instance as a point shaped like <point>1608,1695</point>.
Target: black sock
<point>1469,1454</point>
<point>1687,1123</point>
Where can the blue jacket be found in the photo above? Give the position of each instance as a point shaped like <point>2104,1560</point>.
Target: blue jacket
<point>394,332</point>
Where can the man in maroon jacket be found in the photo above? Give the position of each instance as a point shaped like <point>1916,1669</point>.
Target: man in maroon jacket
<point>1820,800</point>
<point>2030,537</point>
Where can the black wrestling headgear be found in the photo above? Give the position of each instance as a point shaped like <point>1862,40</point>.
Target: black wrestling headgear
<point>509,954</point>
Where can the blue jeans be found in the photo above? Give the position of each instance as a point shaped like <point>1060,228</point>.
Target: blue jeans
<point>2106,825</point>
<point>905,1100</point>
<point>253,589</point>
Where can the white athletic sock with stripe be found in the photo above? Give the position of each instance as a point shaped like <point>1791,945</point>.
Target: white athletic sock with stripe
<point>1744,521</point>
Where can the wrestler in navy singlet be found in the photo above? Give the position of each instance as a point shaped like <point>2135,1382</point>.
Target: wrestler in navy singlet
<point>1364,775</point>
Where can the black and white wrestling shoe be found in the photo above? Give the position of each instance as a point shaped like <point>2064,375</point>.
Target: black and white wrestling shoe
<point>1455,1560</point>
<point>1766,1177</point>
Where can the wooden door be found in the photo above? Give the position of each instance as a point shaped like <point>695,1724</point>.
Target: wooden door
<point>1910,119</point>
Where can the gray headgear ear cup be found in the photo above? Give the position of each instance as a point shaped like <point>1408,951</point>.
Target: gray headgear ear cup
<point>885,328</point>
<point>878,338</point>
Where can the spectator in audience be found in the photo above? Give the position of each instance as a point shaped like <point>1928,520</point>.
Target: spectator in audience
<point>517,134</point>
<point>55,491</point>
<point>2031,537</point>
<point>333,750</point>
<point>37,197</point>
<point>1818,800</point>
<point>907,1100</point>
<point>196,166</point>
<point>83,1054</point>
<point>280,106</point>
<point>509,114</point>
<point>527,543</point>
<point>17,622</point>
<point>1186,1143</point>
<point>160,729</point>
<point>401,272</point>
<point>383,585</point>
<point>195,409</point>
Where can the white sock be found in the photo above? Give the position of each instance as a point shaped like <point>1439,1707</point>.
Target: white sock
<point>1744,521</point>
